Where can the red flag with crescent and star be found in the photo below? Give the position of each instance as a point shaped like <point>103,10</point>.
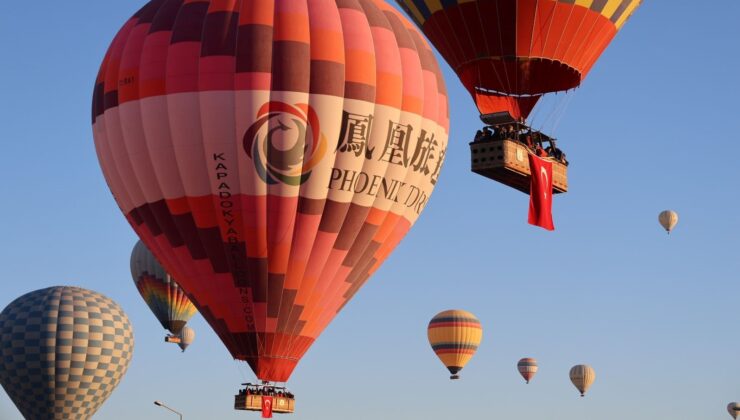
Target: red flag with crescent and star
<point>540,193</point>
<point>266,407</point>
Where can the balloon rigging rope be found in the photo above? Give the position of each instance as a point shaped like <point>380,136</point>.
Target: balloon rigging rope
<point>547,111</point>
<point>559,108</point>
<point>568,98</point>
<point>242,373</point>
<point>557,111</point>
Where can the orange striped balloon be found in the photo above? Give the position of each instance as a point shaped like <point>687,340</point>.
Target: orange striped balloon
<point>527,368</point>
<point>454,336</point>
<point>509,53</point>
<point>271,154</point>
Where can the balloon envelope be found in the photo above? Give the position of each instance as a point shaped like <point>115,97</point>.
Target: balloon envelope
<point>527,367</point>
<point>271,155</point>
<point>519,49</point>
<point>160,291</point>
<point>64,350</point>
<point>454,336</point>
<point>668,219</point>
<point>187,336</point>
<point>583,377</point>
<point>734,409</point>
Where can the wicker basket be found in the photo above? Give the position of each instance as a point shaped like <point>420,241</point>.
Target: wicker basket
<point>506,161</point>
<point>254,403</point>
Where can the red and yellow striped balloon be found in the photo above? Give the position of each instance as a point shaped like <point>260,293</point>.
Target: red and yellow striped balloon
<point>271,154</point>
<point>454,336</point>
<point>508,53</point>
<point>527,367</point>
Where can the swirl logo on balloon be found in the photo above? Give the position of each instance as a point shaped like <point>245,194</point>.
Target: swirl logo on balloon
<point>285,143</point>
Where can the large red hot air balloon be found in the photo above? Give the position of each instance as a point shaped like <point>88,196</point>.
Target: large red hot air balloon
<point>508,53</point>
<point>271,154</point>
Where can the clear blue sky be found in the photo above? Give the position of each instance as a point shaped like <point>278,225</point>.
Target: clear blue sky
<point>654,126</point>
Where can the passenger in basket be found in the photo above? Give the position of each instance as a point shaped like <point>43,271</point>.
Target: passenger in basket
<point>510,132</point>
<point>478,136</point>
<point>526,139</point>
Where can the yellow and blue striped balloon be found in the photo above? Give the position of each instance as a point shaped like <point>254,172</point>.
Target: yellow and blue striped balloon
<point>454,336</point>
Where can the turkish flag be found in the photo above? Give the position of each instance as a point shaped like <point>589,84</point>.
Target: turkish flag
<point>540,192</point>
<point>266,407</point>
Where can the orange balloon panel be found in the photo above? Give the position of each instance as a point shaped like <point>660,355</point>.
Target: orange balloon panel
<point>271,154</point>
<point>520,47</point>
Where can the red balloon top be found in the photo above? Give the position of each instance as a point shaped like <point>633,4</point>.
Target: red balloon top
<point>520,47</point>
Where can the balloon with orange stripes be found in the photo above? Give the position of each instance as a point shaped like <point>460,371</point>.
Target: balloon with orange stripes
<point>527,367</point>
<point>454,336</point>
<point>271,154</point>
<point>508,53</point>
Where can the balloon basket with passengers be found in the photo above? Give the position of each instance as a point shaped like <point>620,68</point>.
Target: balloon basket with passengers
<point>501,152</point>
<point>254,397</point>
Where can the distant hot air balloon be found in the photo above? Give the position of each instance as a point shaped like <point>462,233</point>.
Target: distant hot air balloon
<point>160,291</point>
<point>454,336</point>
<point>583,377</point>
<point>271,155</point>
<point>186,336</point>
<point>668,219</point>
<point>527,368</point>
<point>734,409</point>
<point>63,352</point>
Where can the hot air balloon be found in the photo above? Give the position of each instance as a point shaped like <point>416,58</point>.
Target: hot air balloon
<point>733,408</point>
<point>668,219</point>
<point>508,54</point>
<point>271,155</point>
<point>454,336</point>
<point>160,291</point>
<point>186,336</point>
<point>64,350</point>
<point>527,368</point>
<point>583,377</point>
